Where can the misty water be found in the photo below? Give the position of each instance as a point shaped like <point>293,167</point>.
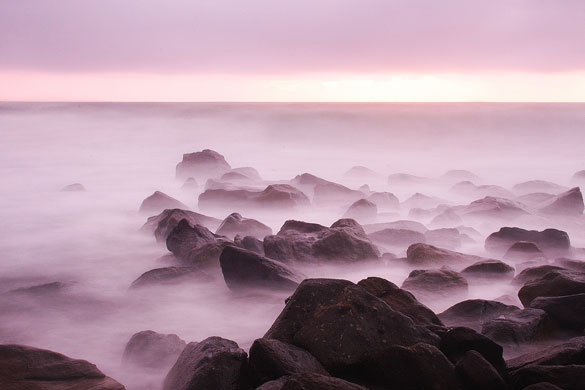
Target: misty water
<point>122,153</point>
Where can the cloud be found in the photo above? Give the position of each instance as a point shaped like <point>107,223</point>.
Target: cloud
<point>284,37</point>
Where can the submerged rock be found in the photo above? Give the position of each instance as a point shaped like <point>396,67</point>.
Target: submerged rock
<point>234,224</point>
<point>553,284</point>
<point>426,284</point>
<point>160,201</point>
<point>397,237</point>
<point>537,186</point>
<point>300,241</point>
<point>547,240</point>
<point>169,275</point>
<point>492,207</point>
<point>429,255</point>
<point>309,381</point>
<point>166,221</point>
<point>186,237</point>
<point>489,269</point>
<point>24,368</point>
<point>473,313</point>
<point>150,349</point>
<point>206,163</point>
<point>245,269</point>
<point>568,311</point>
<point>274,196</point>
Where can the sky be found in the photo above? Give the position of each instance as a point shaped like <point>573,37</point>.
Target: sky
<point>302,50</point>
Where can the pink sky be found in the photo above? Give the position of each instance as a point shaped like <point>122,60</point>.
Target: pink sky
<point>319,50</point>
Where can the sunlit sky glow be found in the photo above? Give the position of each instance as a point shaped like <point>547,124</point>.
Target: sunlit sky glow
<point>261,50</point>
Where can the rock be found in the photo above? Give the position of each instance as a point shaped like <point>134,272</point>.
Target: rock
<point>186,237</point>
<point>166,221</point>
<point>245,269</point>
<point>517,327</point>
<point>250,243</point>
<point>149,349</point>
<point>492,207</point>
<point>489,269</point>
<point>333,193</point>
<point>566,203</point>
<point>206,256</point>
<point>524,251</point>
<point>551,240</point>
<point>236,177</point>
<point>214,363</point>
<point>478,374</point>
<point>206,163</point>
<point>402,224</point>
<point>235,224</point>
<point>308,180</point>
<point>542,386</point>
<point>190,184</point>
<point>456,342</point>
<point>420,366</point>
<point>535,199</point>
<point>309,382</point>
<point>407,179</point>
<point>447,218</point>
<point>28,368</point>
<point>537,186</point>
<point>429,255</point>
<point>473,313</point>
<point>459,174</point>
<point>552,284</point>
<point>343,325</point>
<point>43,290</point>
<point>274,196</point>
<point>158,202</point>
<point>169,275</point>
<point>75,187</point>
<point>426,285</point>
<point>446,238</point>
<point>272,359</point>
<point>250,172</point>
<point>569,377</point>
<point>570,352</point>
<point>422,201</point>
<point>384,200</point>
<point>570,264</point>
<point>468,189</point>
<point>534,273</point>
<point>400,300</point>
<point>360,172</point>
<point>300,241</point>
<point>397,237</point>
<point>568,311</point>
<point>362,210</point>
<point>578,177</point>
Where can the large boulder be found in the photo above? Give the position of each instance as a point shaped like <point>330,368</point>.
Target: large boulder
<point>570,377</point>
<point>473,313</point>
<point>428,255</point>
<point>234,224</point>
<point>153,350</point>
<point>343,325</point>
<point>166,221</point>
<point>362,210</point>
<point>520,326</point>
<point>524,251</point>
<point>492,269</point>
<point>274,196</point>
<point>214,363</point>
<point>534,273</point>
<point>28,368</point>
<point>308,381</point>
<point>427,285</point>
<point>245,269</point>
<point>271,359</point>
<point>250,243</point>
<point>551,240</point>
<point>400,300</point>
<point>158,202</point>
<point>300,241</point>
<point>569,352</point>
<point>566,203</point>
<point>206,163</point>
<point>553,284</point>
<point>478,374</point>
<point>170,275</point>
<point>567,311</point>
<point>186,237</point>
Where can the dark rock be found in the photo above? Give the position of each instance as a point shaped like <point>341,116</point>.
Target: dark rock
<point>569,377</point>
<point>250,243</point>
<point>570,264</point>
<point>205,256</point>
<point>214,363</point>
<point>429,284</point>
<point>478,374</point>
<point>400,300</point>
<point>384,200</point>
<point>570,352</point>
<point>489,269</point>
<point>169,275</point>
<point>542,386</point>
<point>534,273</point>
<point>566,203</point>
<point>343,325</point>
<point>568,311</point>
<point>300,241</point>
<point>362,210</point>
<point>272,359</point>
<point>28,368</point>
<point>524,250</point>
<point>473,313</point>
<point>166,221</point>
<point>547,240</point>
<point>186,237</point>
<point>206,163</point>
<point>309,382</point>
<point>245,269</point>
<point>397,237</point>
<point>235,224</point>
<point>274,196</point>
<point>158,202</point>
<point>75,187</point>
<point>552,284</point>
<point>429,255</point>
<point>149,349</point>
<point>521,326</point>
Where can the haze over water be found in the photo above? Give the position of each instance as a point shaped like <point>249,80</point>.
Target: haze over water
<point>122,153</point>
